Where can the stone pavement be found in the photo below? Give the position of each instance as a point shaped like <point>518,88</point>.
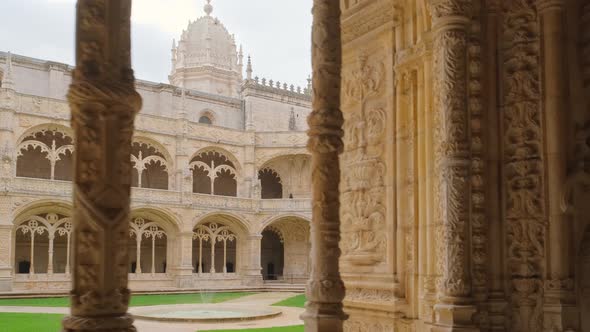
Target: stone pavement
<point>290,316</point>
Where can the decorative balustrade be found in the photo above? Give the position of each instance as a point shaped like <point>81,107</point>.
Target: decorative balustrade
<point>63,190</point>
<point>281,88</point>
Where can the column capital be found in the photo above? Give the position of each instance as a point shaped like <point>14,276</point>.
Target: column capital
<point>446,13</point>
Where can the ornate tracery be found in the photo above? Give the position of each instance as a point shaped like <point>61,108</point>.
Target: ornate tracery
<point>213,233</point>
<point>140,229</point>
<point>213,173</point>
<point>50,144</point>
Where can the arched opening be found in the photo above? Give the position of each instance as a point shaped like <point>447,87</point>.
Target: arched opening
<point>214,173</point>
<point>214,248</point>
<point>150,167</point>
<point>289,173</point>
<point>148,247</point>
<point>205,120</point>
<point>270,182</point>
<point>45,154</point>
<point>272,254</point>
<point>42,244</point>
<point>285,250</point>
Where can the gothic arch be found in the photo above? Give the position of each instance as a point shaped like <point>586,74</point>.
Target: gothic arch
<point>285,248</point>
<point>217,242</point>
<point>241,225</point>
<point>294,171</point>
<point>270,184</point>
<point>46,152</point>
<point>152,164</point>
<point>42,237</point>
<point>269,221</point>
<point>215,171</point>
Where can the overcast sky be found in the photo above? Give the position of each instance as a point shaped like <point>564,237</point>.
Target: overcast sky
<point>275,32</point>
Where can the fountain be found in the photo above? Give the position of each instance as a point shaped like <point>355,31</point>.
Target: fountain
<point>218,313</point>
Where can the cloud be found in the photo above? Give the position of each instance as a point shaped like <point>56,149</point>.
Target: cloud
<point>275,32</point>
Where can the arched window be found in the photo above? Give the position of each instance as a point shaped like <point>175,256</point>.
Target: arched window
<point>150,165</point>
<point>148,248</point>
<point>205,119</point>
<point>270,181</point>
<point>214,173</point>
<point>42,244</point>
<point>45,154</point>
<point>215,247</point>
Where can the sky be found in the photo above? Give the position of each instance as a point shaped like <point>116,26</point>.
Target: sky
<point>276,33</point>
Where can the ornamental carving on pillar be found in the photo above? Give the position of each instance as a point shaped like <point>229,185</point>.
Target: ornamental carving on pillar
<point>523,166</point>
<point>325,289</point>
<point>450,69</point>
<point>363,181</point>
<point>104,103</point>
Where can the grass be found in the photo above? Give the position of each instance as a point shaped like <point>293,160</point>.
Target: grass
<point>136,300</point>
<point>296,328</point>
<point>295,301</point>
<point>18,322</point>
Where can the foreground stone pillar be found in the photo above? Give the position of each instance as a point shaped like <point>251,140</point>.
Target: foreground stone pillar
<point>325,289</point>
<point>560,310</point>
<point>104,103</point>
<point>451,19</point>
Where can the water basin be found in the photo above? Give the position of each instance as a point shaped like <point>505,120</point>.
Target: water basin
<point>204,313</point>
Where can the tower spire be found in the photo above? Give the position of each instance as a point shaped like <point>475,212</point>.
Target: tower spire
<point>208,8</point>
<point>7,81</point>
<point>249,68</point>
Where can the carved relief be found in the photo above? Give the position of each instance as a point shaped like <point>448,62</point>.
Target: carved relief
<point>363,182</point>
<point>523,167</point>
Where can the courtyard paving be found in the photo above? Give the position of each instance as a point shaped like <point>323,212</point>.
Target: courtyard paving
<point>289,316</point>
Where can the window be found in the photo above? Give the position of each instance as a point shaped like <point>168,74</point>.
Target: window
<point>205,119</point>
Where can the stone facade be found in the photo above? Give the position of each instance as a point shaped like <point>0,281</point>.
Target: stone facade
<point>449,144</point>
<point>211,172</point>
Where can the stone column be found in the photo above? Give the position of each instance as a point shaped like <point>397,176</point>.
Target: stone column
<point>559,305</point>
<point>185,270</point>
<point>50,253</point>
<point>497,297</point>
<point>451,19</point>
<point>325,289</point>
<point>5,257</point>
<point>252,269</point>
<point>104,103</point>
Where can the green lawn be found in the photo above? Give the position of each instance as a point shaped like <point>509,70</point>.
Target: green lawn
<point>17,322</point>
<point>296,328</point>
<point>136,300</point>
<point>295,301</point>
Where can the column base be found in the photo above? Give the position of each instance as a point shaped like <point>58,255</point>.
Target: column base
<point>6,279</point>
<point>324,317</point>
<point>122,323</point>
<point>454,318</point>
<point>561,317</point>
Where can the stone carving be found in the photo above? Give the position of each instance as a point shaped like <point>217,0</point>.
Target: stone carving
<point>363,186</point>
<point>104,103</point>
<point>450,93</point>
<point>325,289</point>
<point>523,167</point>
<point>213,233</point>
<point>358,325</point>
<point>367,295</point>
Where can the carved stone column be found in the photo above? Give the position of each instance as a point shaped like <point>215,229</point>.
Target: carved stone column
<point>451,19</point>
<point>104,103</point>
<point>559,305</point>
<point>325,289</point>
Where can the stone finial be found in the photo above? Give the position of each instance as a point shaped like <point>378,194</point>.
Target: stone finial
<point>208,8</point>
<point>7,81</point>
<point>248,67</point>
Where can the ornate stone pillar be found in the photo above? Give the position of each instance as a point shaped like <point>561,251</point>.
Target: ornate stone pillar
<point>559,299</point>
<point>104,103</point>
<point>325,289</point>
<point>497,297</point>
<point>451,19</point>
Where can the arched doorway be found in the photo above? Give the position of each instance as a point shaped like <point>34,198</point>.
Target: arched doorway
<point>270,182</point>
<point>272,254</point>
<point>285,250</point>
<point>288,174</point>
